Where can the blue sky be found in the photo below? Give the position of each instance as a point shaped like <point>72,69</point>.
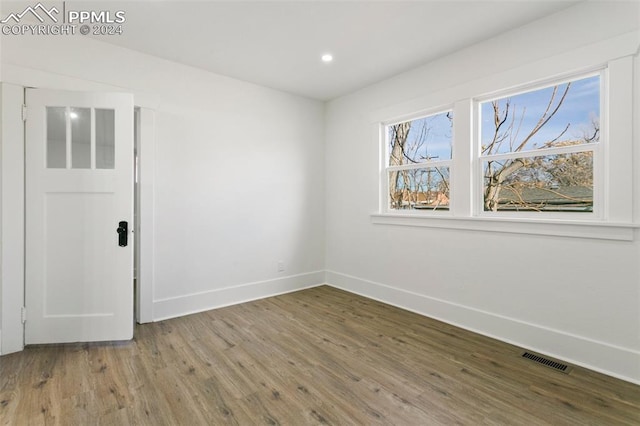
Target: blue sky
<point>430,137</point>
<point>581,105</point>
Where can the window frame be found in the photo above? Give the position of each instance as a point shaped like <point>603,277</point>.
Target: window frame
<point>597,148</point>
<point>617,219</point>
<point>385,200</point>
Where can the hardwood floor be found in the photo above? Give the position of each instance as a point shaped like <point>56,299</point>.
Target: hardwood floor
<point>318,356</point>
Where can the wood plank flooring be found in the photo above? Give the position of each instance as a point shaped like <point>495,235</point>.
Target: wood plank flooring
<point>318,356</point>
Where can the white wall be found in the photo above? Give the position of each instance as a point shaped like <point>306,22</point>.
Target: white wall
<point>239,170</point>
<point>574,298</point>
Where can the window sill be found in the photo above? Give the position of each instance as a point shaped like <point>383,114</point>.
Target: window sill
<point>575,229</point>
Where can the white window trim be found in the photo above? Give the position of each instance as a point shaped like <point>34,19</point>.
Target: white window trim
<point>616,221</point>
<point>561,228</point>
<point>543,152</point>
<point>599,207</point>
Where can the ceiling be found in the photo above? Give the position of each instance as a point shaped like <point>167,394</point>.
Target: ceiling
<point>278,44</point>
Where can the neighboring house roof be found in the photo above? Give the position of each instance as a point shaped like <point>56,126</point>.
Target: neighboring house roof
<point>575,198</point>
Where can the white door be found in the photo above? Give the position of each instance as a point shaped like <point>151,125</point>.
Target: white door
<point>79,187</point>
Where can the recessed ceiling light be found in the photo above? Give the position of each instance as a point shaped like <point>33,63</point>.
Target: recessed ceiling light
<point>327,57</point>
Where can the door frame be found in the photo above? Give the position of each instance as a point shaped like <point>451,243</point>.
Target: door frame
<point>145,142</point>
<point>12,215</point>
<point>12,218</point>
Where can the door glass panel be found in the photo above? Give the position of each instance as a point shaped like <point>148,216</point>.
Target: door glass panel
<point>105,138</point>
<point>80,137</point>
<point>56,138</point>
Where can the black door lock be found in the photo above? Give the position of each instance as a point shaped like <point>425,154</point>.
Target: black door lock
<point>123,233</point>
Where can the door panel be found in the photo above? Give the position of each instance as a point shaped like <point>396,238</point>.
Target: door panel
<point>79,186</point>
<point>84,261</point>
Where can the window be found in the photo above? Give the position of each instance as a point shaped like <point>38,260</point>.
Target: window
<point>526,153</point>
<point>538,148</point>
<point>538,154</point>
<point>419,158</point>
<point>105,138</point>
<point>80,138</point>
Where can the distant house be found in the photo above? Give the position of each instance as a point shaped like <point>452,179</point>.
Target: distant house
<point>556,198</point>
<point>420,200</point>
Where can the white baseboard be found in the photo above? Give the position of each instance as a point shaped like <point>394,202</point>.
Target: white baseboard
<point>619,362</point>
<point>198,302</point>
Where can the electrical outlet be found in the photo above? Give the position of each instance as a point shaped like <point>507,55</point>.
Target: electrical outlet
<point>280,266</point>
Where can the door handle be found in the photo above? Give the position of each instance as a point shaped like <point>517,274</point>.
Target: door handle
<point>123,233</point>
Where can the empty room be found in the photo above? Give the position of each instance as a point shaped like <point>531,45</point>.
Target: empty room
<point>320,212</point>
